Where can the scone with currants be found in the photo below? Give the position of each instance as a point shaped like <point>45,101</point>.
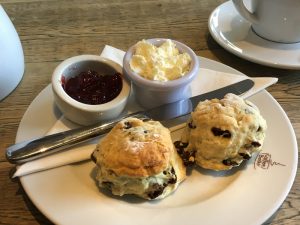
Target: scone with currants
<point>222,133</point>
<point>138,157</point>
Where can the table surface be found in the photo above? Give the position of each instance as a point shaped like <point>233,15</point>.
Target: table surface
<point>51,31</point>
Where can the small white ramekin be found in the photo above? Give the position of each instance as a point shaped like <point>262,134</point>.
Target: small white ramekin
<point>81,113</point>
<point>151,93</point>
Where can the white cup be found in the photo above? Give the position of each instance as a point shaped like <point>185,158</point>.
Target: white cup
<point>275,20</point>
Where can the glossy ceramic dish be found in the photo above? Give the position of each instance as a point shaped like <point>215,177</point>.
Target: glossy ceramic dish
<point>234,34</point>
<point>152,93</point>
<point>81,113</point>
<point>69,195</point>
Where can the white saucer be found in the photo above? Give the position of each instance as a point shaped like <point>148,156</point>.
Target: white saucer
<point>234,33</point>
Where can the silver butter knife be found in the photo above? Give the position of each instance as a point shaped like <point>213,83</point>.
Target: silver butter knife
<point>33,149</point>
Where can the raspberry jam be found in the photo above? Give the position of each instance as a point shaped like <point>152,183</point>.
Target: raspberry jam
<point>91,88</point>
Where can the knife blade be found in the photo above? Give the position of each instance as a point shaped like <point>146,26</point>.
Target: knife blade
<point>37,148</point>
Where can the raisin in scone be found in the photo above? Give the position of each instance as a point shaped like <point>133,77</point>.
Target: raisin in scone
<point>138,157</point>
<point>222,133</point>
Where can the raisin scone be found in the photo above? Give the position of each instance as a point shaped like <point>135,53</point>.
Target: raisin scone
<point>138,157</point>
<point>222,133</point>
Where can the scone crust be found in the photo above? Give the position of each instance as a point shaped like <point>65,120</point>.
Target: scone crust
<point>135,148</point>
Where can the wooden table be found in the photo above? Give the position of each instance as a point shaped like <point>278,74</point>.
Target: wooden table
<point>51,31</point>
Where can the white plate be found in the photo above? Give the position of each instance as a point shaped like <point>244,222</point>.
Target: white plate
<point>248,195</point>
<point>234,34</point>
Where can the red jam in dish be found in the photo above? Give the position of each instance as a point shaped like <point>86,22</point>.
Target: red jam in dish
<point>91,88</point>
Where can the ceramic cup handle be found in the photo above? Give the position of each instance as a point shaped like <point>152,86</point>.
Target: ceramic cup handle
<point>244,12</point>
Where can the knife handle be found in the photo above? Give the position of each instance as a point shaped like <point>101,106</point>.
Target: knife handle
<point>37,148</point>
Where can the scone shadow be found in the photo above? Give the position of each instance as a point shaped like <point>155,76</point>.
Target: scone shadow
<point>221,173</point>
<point>132,199</point>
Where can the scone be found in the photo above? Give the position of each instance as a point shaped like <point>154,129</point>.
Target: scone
<point>138,157</point>
<point>222,133</point>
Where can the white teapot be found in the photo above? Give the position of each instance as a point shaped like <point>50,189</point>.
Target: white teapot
<point>11,56</point>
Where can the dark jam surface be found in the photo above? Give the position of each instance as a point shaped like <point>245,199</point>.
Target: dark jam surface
<point>89,87</point>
